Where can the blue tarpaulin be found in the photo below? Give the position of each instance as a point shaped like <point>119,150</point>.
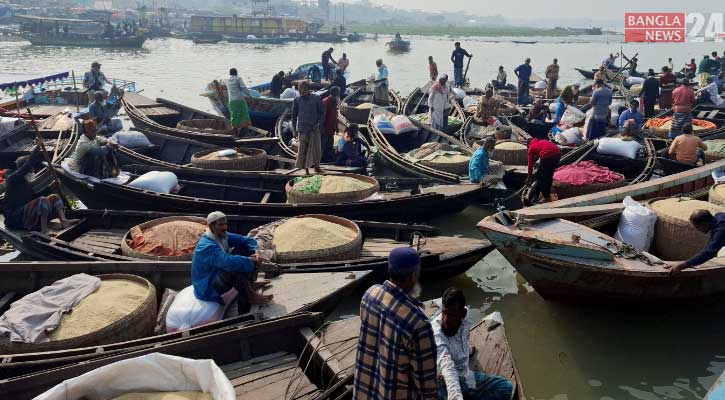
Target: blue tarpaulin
<point>10,82</point>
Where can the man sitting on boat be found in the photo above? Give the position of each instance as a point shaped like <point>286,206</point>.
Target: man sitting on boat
<point>95,155</point>
<point>314,74</point>
<point>451,332</point>
<point>500,82</point>
<point>478,167</point>
<point>704,222</point>
<point>488,106</point>
<point>94,80</point>
<point>350,150</point>
<point>223,260</point>
<point>102,112</point>
<point>687,148</point>
<point>23,208</point>
<point>631,114</point>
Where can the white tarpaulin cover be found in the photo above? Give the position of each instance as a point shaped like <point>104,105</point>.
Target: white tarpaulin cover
<point>150,373</point>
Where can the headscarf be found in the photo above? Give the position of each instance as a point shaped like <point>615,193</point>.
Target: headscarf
<point>438,87</point>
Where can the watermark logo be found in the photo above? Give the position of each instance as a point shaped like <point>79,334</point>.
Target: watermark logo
<point>673,27</point>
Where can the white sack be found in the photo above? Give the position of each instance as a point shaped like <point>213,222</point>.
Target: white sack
<point>156,181</point>
<point>636,225</point>
<point>188,312</point>
<point>150,373</point>
<point>459,93</point>
<point>618,147</point>
<point>131,139</point>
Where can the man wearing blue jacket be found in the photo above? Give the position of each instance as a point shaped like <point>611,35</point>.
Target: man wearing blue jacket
<point>704,222</point>
<point>223,261</point>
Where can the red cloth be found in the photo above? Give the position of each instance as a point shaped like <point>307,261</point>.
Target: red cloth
<point>329,125</point>
<point>585,173</point>
<point>539,148</point>
<point>683,98</point>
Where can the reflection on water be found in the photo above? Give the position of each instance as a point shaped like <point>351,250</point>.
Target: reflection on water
<point>564,351</point>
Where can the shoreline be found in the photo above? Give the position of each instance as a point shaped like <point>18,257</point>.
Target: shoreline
<point>466,31</point>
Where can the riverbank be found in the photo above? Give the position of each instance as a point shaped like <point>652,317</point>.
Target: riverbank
<point>463,31</point>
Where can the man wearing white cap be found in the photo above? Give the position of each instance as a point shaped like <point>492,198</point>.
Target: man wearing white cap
<point>224,260</point>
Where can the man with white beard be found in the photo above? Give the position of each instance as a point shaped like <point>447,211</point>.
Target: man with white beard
<point>396,353</point>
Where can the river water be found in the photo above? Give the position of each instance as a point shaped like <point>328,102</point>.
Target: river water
<point>563,351</point>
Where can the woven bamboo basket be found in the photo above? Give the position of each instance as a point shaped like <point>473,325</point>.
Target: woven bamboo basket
<point>503,133</point>
<point>510,157</point>
<point>215,126</point>
<point>458,168</point>
<point>255,160</point>
<point>355,115</point>
<point>676,239</point>
<point>715,197</point>
<point>712,156</point>
<point>126,250</point>
<point>138,324</point>
<point>295,197</point>
<point>565,190</point>
<point>347,251</point>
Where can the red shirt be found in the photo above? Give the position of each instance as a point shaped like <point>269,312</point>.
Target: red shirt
<point>683,98</point>
<point>692,67</point>
<point>539,148</point>
<point>329,107</point>
<point>433,68</point>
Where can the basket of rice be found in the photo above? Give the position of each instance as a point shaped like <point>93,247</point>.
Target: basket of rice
<point>717,194</point>
<point>715,150</point>
<point>330,189</point>
<point>164,239</point>
<point>454,123</point>
<point>584,177</point>
<point>212,126</point>
<point>233,159</point>
<point>358,114</point>
<point>123,308</point>
<point>661,126</point>
<point>675,238</point>
<point>310,237</point>
<point>510,152</point>
<point>451,163</point>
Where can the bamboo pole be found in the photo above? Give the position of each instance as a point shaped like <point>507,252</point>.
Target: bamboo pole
<point>75,90</point>
<point>41,145</point>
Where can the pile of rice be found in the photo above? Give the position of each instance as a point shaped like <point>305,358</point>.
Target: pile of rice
<point>332,184</point>
<point>305,233</point>
<point>114,299</point>
<point>165,396</point>
<point>449,159</point>
<point>510,146</point>
<point>365,106</point>
<point>682,209</point>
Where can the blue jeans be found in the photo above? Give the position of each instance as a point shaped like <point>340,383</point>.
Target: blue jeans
<point>488,387</point>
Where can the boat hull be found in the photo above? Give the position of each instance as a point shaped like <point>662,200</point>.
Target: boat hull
<point>42,40</point>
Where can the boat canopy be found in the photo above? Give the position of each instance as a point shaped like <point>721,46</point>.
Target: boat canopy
<point>14,81</point>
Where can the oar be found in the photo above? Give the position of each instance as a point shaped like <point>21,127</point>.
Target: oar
<point>468,64</point>
<point>41,145</point>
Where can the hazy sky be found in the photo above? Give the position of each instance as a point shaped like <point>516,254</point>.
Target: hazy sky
<point>606,9</point>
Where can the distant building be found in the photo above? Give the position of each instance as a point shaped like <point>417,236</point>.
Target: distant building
<point>246,25</point>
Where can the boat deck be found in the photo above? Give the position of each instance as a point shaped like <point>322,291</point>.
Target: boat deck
<point>26,145</point>
<point>270,377</point>
<point>149,106</point>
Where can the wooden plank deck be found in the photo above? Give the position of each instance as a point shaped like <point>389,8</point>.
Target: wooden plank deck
<point>270,377</point>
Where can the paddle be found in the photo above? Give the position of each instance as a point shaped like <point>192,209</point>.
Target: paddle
<point>41,145</point>
<point>468,64</point>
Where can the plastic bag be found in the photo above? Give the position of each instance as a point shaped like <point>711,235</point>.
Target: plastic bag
<point>614,119</point>
<point>540,85</point>
<point>618,147</point>
<point>553,106</point>
<point>149,373</point>
<point>156,181</point>
<point>459,93</point>
<point>131,139</point>
<point>635,80</point>
<point>384,124</point>
<point>636,225</point>
<point>469,101</point>
<point>572,116</point>
<point>569,137</point>
<point>402,125</point>
<point>188,312</point>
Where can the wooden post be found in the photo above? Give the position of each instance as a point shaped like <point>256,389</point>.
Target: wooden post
<point>75,90</point>
<point>51,169</point>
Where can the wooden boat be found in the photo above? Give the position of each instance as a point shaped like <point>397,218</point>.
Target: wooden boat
<point>265,360</point>
<point>393,147</point>
<point>717,391</point>
<point>566,260</point>
<point>398,45</point>
<point>417,103</point>
<point>474,131</point>
<point>99,236</point>
<point>338,344</point>
<point>360,96</point>
<point>202,197</point>
<point>78,40</point>
<point>163,116</point>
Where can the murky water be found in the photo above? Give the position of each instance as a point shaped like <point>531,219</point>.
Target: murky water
<point>564,351</point>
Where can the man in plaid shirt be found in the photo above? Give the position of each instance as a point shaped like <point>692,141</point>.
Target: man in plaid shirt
<point>396,353</point>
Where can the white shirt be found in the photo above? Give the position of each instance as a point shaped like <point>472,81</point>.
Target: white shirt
<point>236,88</point>
<point>289,93</point>
<point>453,352</point>
<point>711,89</point>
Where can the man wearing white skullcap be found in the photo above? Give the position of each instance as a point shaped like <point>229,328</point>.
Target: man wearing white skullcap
<point>224,260</point>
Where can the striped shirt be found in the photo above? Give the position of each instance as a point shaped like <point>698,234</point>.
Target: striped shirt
<point>396,353</point>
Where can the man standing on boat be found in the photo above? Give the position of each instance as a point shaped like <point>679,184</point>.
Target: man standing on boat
<point>307,114</point>
<point>277,85</point>
<point>438,103</point>
<point>396,352</point>
<point>238,109</point>
<point>552,76</point>
<point>432,69</point>
<point>381,96</point>
<point>599,120</point>
<point>523,72</point>
<point>329,123</point>
<point>609,61</point>
<point>650,93</point>
<point>94,80</point>
<point>683,98</point>
<point>704,222</point>
<point>343,63</point>
<point>548,154</point>
<point>457,58</point>
<point>223,260</point>
<point>456,380</point>
<point>326,67</point>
